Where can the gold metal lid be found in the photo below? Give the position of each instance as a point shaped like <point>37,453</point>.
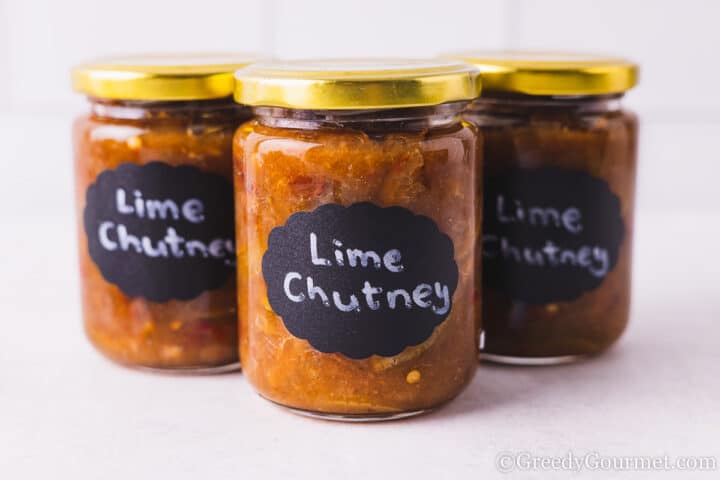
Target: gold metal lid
<point>356,84</point>
<point>159,77</point>
<point>547,73</point>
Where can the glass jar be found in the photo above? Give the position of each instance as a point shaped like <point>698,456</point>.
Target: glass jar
<point>355,189</point>
<point>560,164</point>
<point>153,170</point>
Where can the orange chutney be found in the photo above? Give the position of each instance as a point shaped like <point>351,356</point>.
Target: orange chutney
<point>559,172</point>
<point>153,169</point>
<point>373,184</point>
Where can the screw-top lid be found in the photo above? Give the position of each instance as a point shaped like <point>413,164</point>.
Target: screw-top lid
<point>545,73</point>
<point>159,77</point>
<point>356,84</point>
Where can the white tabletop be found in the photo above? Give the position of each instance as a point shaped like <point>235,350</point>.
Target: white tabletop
<point>65,412</point>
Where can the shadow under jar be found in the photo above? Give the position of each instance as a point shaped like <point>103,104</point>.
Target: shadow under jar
<point>559,172</point>
<point>356,232</point>
<point>153,170</point>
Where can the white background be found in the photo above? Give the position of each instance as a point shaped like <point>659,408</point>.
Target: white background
<point>66,412</point>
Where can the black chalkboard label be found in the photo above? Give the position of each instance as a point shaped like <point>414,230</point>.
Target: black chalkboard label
<point>161,232</point>
<point>360,280</point>
<point>550,234</point>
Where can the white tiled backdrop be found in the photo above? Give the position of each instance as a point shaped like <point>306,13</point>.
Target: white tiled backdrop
<point>59,409</point>
<point>676,43</point>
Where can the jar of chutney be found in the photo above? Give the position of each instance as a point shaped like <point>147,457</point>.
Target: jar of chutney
<point>355,188</point>
<point>153,170</point>
<point>559,178</point>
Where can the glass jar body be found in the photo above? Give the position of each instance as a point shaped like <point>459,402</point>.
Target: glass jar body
<point>557,242</point>
<point>133,161</point>
<point>422,163</point>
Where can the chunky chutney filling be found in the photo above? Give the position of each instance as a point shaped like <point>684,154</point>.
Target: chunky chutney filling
<point>157,251</point>
<point>401,335</point>
<point>556,243</point>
